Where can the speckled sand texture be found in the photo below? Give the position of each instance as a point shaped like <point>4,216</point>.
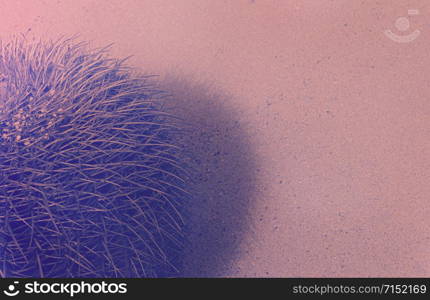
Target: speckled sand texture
<point>312,127</point>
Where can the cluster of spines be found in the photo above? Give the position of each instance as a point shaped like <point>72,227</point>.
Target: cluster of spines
<point>91,182</point>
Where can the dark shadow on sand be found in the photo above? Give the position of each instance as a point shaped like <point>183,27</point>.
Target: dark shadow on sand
<point>223,180</point>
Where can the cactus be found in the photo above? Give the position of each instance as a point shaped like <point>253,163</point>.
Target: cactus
<point>91,180</point>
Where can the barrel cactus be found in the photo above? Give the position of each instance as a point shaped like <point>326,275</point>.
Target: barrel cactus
<point>91,179</point>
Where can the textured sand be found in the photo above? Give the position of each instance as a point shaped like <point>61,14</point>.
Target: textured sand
<point>312,127</point>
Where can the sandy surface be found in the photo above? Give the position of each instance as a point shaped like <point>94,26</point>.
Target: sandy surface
<point>312,127</point>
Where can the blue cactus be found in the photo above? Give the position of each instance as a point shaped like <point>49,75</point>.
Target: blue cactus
<point>91,180</point>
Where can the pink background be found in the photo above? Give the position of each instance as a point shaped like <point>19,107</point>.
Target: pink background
<point>335,116</point>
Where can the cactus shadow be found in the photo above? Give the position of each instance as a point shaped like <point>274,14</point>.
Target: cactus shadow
<point>222,182</point>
